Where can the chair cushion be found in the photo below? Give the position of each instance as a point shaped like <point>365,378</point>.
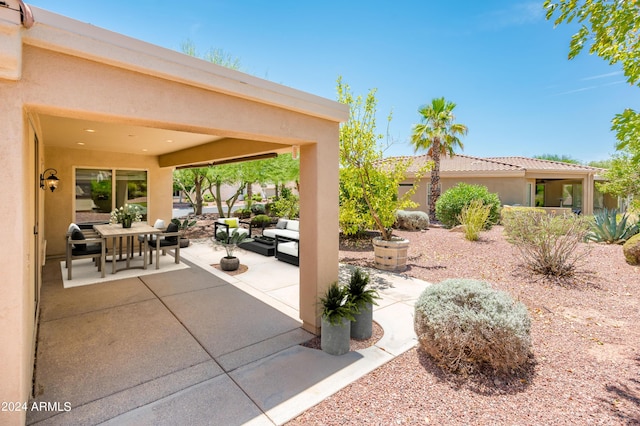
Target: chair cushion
<point>293,225</point>
<point>171,228</point>
<point>290,248</point>
<point>78,235</point>
<point>72,228</point>
<point>88,249</point>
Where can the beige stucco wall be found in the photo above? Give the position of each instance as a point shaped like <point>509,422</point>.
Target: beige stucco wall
<point>512,190</point>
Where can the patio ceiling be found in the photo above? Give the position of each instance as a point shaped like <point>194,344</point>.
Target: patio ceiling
<point>172,147</point>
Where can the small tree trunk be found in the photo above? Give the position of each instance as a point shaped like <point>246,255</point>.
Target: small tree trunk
<point>435,179</point>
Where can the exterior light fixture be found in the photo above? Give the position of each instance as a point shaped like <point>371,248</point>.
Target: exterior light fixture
<point>50,181</point>
<point>295,152</point>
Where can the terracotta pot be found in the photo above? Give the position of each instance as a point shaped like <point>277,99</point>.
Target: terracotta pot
<point>391,255</point>
<point>229,263</point>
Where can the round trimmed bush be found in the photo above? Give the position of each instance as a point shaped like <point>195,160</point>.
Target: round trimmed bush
<point>412,220</point>
<point>450,204</point>
<point>631,250</point>
<point>465,325</point>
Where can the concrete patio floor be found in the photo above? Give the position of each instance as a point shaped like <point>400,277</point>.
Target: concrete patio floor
<point>197,346</point>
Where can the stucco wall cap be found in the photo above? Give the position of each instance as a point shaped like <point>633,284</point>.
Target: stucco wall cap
<point>65,35</point>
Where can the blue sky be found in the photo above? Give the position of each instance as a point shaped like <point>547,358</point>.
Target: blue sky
<point>500,61</point>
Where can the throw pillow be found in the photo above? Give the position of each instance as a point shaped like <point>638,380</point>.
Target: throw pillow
<point>78,235</point>
<point>233,223</point>
<point>72,228</point>
<point>282,224</point>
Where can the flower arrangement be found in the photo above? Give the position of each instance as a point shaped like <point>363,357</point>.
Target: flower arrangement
<point>126,214</point>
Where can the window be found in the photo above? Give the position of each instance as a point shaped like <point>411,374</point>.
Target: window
<point>540,195</point>
<point>567,195</point>
<point>99,191</point>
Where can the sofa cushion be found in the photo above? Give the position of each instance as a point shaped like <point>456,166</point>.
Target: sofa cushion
<point>290,248</point>
<point>282,232</point>
<point>293,225</point>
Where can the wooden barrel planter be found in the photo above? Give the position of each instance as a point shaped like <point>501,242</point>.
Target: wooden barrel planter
<point>391,255</point>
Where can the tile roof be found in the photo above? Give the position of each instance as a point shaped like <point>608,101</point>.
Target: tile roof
<point>466,163</point>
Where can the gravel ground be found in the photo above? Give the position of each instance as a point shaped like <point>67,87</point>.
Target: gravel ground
<point>586,337</point>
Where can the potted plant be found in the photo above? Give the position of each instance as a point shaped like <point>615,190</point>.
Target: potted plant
<point>230,244</point>
<point>182,228</point>
<point>369,184</point>
<point>337,313</point>
<point>126,215</point>
<point>362,299</point>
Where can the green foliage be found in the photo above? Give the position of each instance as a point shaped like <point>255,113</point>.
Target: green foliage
<point>214,55</point>
<point>244,213</point>
<point>230,242</point>
<point>368,184</point>
<point>551,245</point>
<point>438,134</point>
<point>183,225</point>
<point>474,217</point>
<point>558,158</point>
<point>359,295</point>
<point>515,219</point>
<point>608,229</point>
<point>336,305</point>
<point>258,209</point>
<point>261,220</point>
<point>286,207</point>
<point>451,203</point>
<point>623,177</point>
<point>412,220</point>
<point>466,325</point>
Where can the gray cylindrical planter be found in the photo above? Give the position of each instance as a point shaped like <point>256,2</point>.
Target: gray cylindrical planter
<point>362,327</point>
<point>335,339</point>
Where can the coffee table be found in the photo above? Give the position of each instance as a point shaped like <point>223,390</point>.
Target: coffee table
<point>262,245</point>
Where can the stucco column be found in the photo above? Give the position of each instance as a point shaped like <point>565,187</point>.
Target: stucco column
<point>318,224</point>
<point>16,324</point>
<point>588,188</point>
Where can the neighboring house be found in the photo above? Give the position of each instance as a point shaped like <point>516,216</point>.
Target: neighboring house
<point>114,116</point>
<point>519,181</point>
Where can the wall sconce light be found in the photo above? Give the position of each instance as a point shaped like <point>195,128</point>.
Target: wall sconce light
<point>51,181</point>
<point>295,152</point>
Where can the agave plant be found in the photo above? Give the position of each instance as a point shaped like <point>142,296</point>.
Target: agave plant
<point>606,227</point>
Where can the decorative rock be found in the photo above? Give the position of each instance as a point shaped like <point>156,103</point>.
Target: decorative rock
<point>631,250</point>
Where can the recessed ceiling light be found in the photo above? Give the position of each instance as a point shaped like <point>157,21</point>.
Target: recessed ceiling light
<point>169,140</point>
<point>80,143</point>
<point>89,130</point>
<point>144,150</point>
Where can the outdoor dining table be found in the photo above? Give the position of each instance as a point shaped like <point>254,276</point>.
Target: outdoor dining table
<point>115,231</point>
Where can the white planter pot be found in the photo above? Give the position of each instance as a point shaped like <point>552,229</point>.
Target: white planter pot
<point>391,255</point>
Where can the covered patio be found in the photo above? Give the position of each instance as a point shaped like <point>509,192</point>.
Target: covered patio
<point>78,98</point>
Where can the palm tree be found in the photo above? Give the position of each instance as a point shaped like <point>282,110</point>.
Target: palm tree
<point>438,134</point>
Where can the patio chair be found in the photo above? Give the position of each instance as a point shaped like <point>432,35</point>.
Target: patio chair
<point>230,225</point>
<point>80,246</point>
<point>151,239</point>
<point>169,239</point>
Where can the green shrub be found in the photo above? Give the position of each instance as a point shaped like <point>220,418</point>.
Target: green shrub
<point>258,209</point>
<point>450,204</point>
<point>474,217</point>
<point>412,220</point>
<point>208,198</point>
<point>466,325</point>
<point>514,218</point>
<point>242,213</point>
<point>285,207</point>
<point>610,228</point>
<point>256,197</point>
<point>551,245</point>
<point>261,220</point>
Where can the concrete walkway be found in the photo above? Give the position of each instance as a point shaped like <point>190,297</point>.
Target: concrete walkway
<point>197,346</point>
